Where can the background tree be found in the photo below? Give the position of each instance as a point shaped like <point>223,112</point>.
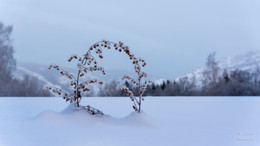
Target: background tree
<point>111,89</point>
<point>7,62</point>
<point>30,86</point>
<point>210,75</point>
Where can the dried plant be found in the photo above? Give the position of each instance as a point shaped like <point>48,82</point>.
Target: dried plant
<point>88,60</point>
<point>80,85</point>
<point>99,46</point>
<point>139,63</point>
<point>142,85</point>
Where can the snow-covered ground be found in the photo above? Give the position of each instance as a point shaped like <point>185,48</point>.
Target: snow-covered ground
<point>166,121</point>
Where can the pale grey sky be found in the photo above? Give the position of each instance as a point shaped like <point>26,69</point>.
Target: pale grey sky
<point>173,36</point>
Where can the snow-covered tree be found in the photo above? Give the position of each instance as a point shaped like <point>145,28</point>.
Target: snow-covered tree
<point>7,62</point>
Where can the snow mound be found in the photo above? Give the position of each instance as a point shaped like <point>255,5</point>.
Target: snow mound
<point>48,115</point>
<point>81,116</point>
<point>73,114</point>
<point>72,109</point>
<point>139,119</point>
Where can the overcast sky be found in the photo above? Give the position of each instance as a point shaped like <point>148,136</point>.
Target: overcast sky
<point>174,37</point>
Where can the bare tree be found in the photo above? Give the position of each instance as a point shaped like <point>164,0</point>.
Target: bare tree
<point>210,75</point>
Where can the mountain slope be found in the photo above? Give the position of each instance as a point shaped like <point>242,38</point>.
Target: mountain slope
<point>248,61</point>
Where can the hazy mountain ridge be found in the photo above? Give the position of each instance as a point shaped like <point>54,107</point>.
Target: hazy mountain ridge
<point>248,61</point>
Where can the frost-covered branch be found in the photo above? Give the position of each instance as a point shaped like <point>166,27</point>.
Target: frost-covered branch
<point>62,71</point>
<point>84,67</point>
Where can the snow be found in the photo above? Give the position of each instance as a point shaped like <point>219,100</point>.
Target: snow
<point>167,121</point>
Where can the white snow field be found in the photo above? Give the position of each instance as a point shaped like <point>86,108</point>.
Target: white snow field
<point>166,121</point>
